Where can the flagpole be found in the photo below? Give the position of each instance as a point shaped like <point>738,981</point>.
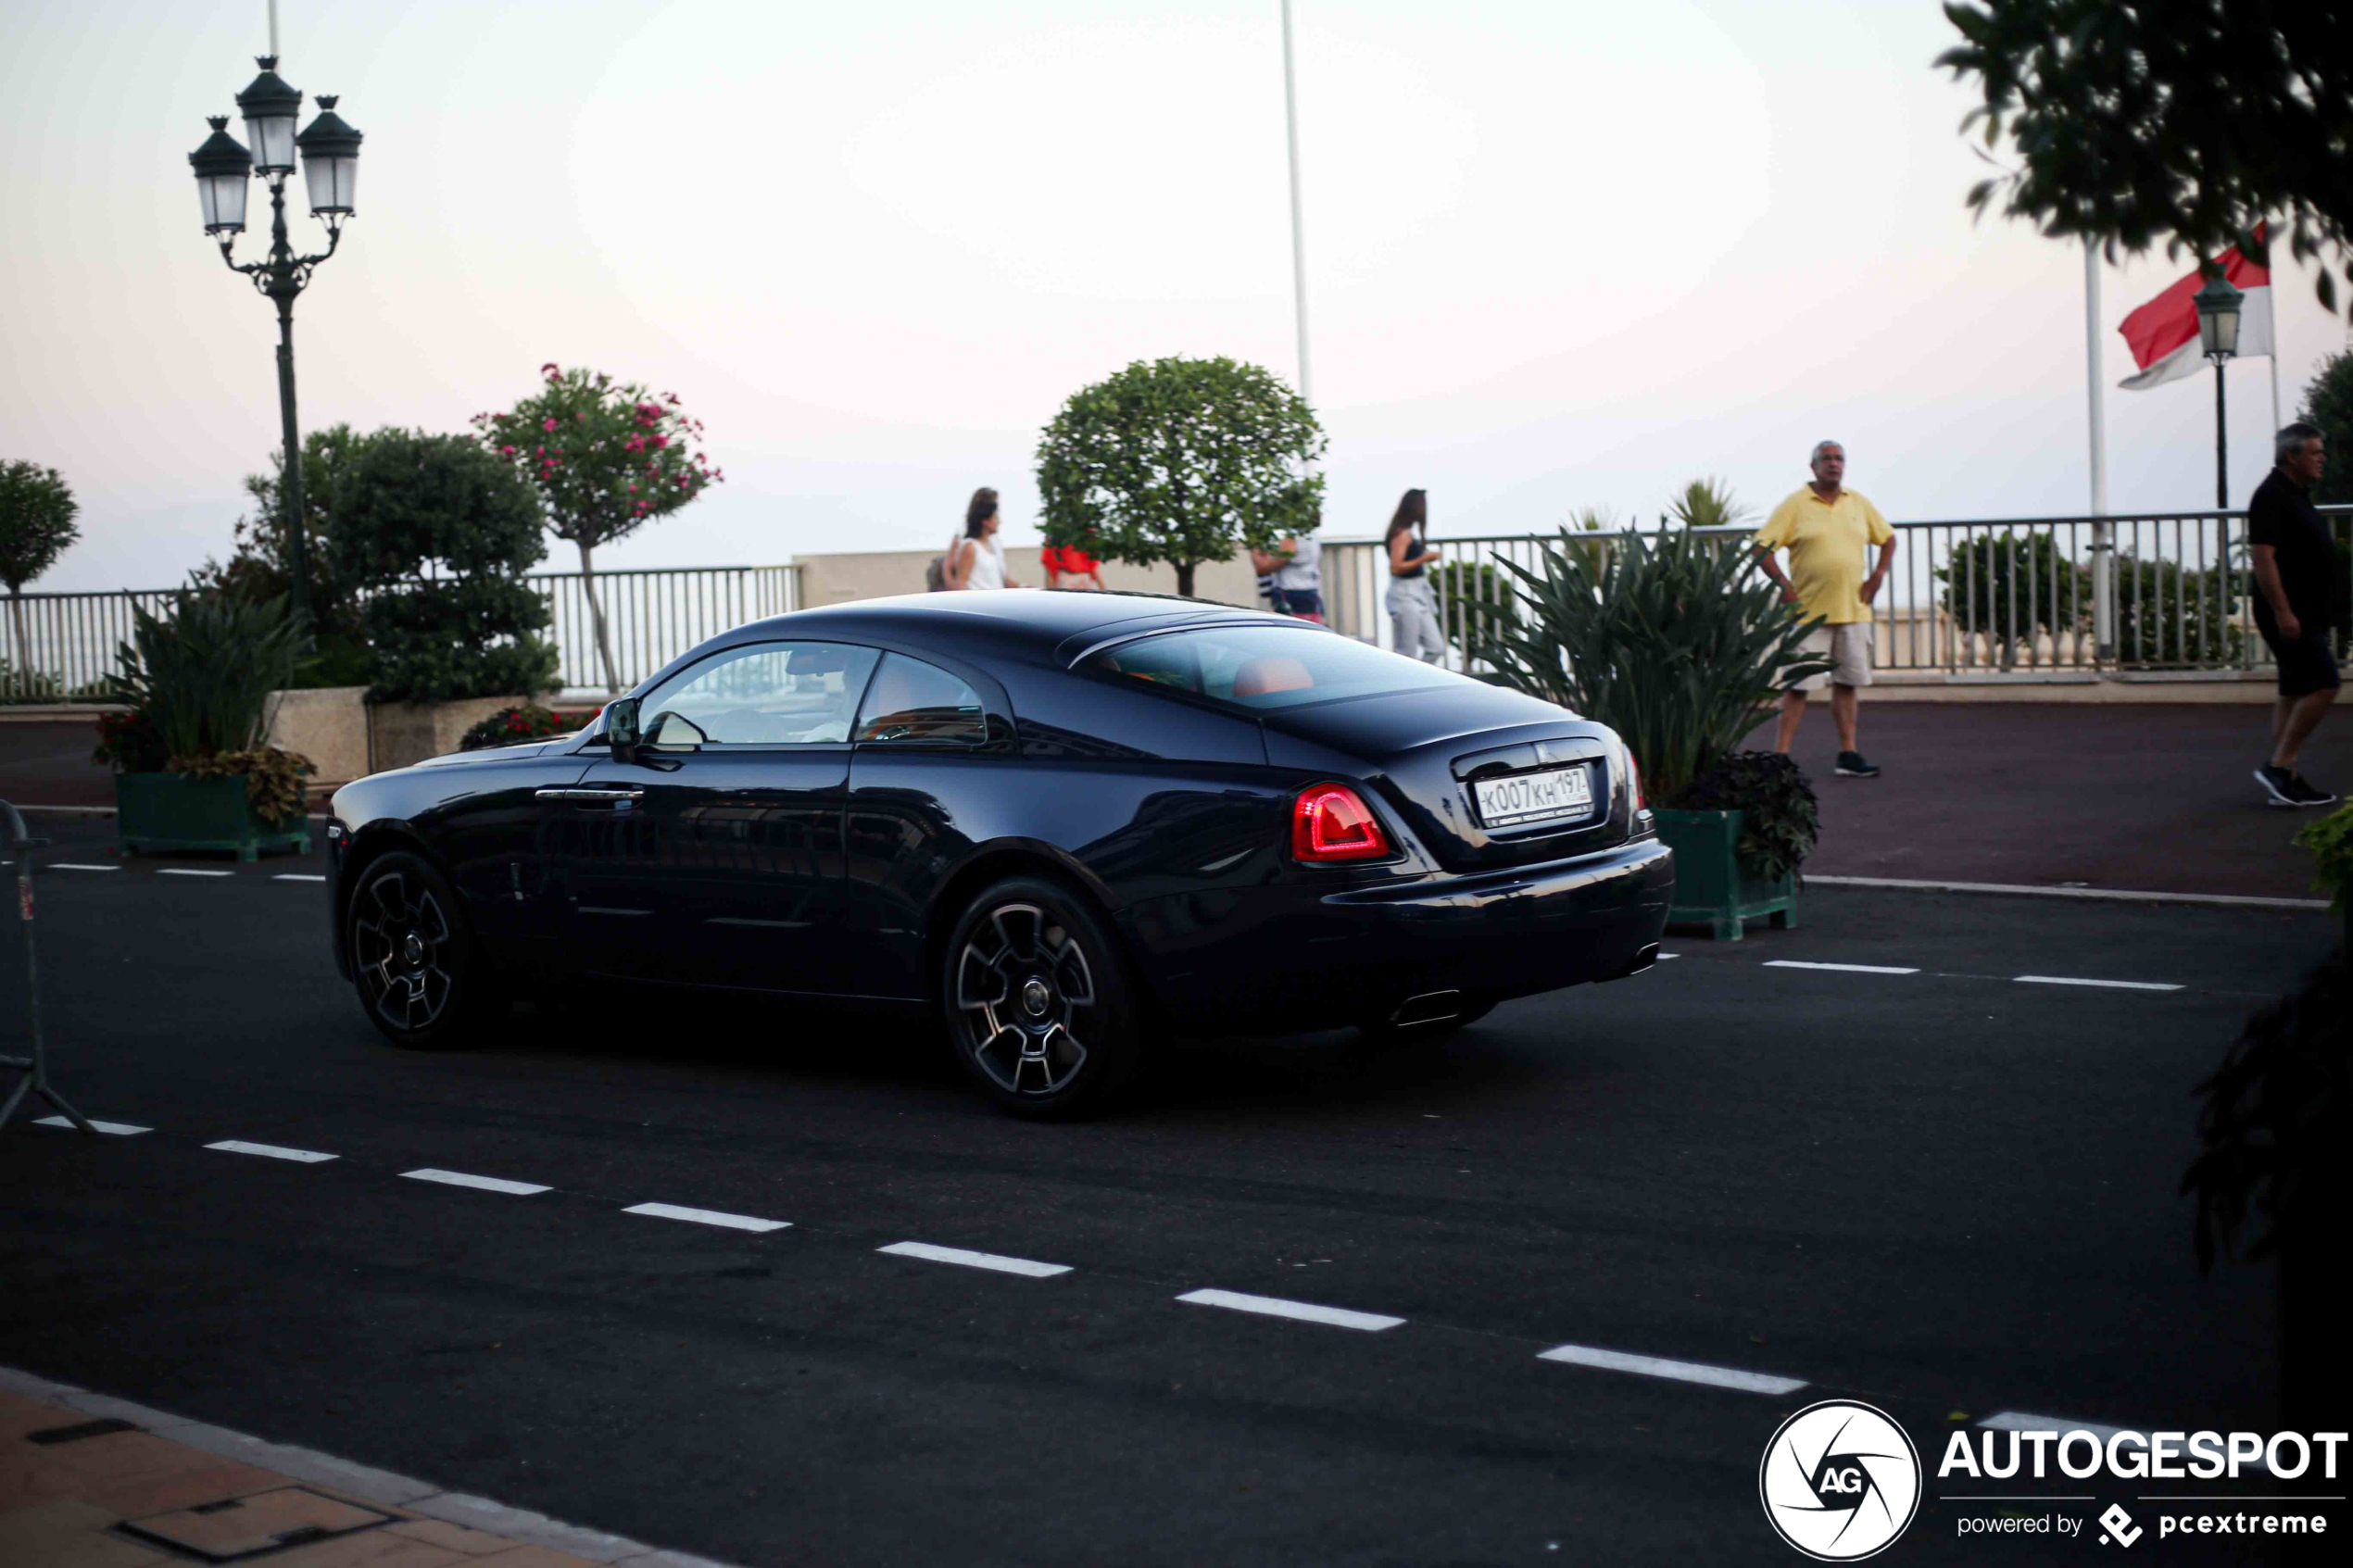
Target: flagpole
<point>1298,228</point>
<point>2103,530</point>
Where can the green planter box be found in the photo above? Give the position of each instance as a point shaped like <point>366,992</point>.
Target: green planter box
<point>159,812</point>
<point>1710,888</point>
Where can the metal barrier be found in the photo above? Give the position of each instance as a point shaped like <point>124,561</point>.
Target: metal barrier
<point>61,647</point>
<point>2169,591</point>
<point>34,1068</point>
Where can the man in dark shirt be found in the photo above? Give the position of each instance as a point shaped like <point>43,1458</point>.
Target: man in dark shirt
<point>2301,596</point>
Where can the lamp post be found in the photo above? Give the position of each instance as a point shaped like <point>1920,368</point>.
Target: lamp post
<point>330,152</point>
<point>2218,334</point>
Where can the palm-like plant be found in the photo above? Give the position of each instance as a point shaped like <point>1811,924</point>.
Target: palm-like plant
<point>204,674</point>
<point>1709,503</point>
<point>1681,647</point>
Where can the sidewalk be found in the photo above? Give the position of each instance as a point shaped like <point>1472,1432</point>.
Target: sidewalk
<point>2150,797</point>
<point>91,1482</point>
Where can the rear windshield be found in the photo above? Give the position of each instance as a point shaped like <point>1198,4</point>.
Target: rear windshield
<point>1266,667</point>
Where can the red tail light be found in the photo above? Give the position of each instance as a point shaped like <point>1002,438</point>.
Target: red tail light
<point>1634,780</point>
<point>1331,821</point>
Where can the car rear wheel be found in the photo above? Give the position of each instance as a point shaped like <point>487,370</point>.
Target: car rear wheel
<point>1036,1000</point>
<point>413,961</point>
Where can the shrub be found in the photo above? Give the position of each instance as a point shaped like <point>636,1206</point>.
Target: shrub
<point>273,778</point>
<point>2009,586</point>
<point>439,532</point>
<point>1779,817</point>
<point>130,743</point>
<point>1681,647</point>
<point>203,676</point>
<point>2331,842</point>
<point>37,511</point>
<point>2167,614</point>
<point>259,568</point>
<point>512,726</point>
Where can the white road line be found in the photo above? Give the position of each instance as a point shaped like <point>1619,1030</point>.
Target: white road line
<point>270,1151</point>
<point>2104,984</point>
<point>78,866</point>
<point>997,1261</point>
<point>1664,956</point>
<point>487,1183</point>
<point>120,1129</point>
<point>2220,901</point>
<point>1842,968</point>
<point>189,870</point>
<point>1681,1371</point>
<point>297,876</point>
<point>1304,1311</point>
<point>2018,1421</point>
<point>707,1217</point>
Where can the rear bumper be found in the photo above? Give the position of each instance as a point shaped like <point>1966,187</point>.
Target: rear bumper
<point>1293,957</point>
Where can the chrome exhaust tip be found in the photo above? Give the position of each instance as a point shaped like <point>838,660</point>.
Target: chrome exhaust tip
<point>1430,1006</point>
<point>1646,959</point>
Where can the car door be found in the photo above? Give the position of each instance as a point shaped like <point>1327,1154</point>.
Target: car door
<point>714,857</point>
<point>927,746</point>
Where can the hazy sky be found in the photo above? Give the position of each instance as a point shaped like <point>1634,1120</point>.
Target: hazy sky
<point>1559,254</point>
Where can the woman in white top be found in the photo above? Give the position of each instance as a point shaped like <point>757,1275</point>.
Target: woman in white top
<point>1293,572</point>
<point>974,558</point>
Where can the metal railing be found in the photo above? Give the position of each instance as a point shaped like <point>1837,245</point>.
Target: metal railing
<point>61,647</point>
<point>2155,591</point>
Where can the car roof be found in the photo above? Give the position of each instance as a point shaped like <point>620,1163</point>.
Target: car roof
<point>1021,621</point>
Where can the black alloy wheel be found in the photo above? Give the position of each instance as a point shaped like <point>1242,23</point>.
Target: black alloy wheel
<point>419,979</point>
<point>1036,1000</point>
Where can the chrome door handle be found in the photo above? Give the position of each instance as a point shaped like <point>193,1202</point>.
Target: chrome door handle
<point>585,796</point>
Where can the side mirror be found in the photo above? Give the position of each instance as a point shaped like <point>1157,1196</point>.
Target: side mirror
<point>620,728</point>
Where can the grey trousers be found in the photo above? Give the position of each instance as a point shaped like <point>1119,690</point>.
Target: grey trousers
<point>1412,616</point>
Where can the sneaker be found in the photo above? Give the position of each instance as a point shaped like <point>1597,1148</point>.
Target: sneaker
<point>2279,784</point>
<point>1852,766</point>
<point>2309,794</point>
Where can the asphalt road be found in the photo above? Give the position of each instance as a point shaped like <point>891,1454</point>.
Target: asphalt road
<point>1947,1192</point>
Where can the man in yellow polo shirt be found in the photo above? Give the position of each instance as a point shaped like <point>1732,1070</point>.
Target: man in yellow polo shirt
<point>1827,530</point>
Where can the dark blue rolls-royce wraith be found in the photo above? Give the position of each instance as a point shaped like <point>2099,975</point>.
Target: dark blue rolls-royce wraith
<point>1068,824</point>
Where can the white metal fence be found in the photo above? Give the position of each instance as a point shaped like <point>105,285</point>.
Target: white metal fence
<point>2158,591</point>
<point>61,647</point>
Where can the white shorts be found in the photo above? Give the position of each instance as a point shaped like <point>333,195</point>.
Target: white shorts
<point>1848,648</point>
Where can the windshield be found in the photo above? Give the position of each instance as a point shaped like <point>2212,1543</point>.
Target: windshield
<point>1266,667</point>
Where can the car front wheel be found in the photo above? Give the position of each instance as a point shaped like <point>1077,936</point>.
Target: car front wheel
<point>1036,1001</point>
<point>420,981</point>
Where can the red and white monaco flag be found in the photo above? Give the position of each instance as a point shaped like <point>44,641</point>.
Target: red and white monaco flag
<point>2162,335</point>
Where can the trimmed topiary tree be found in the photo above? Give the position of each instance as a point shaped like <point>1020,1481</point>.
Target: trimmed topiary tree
<point>440,533</point>
<point>604,460</point>
<point>1180,460</point>
<point>37,511</point>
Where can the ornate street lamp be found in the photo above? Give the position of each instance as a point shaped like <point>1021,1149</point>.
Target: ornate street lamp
<point>2218,334</point>
<point>330,151</point>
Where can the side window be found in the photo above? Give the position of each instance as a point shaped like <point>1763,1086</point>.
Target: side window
<point>911,703</point>
<point>765,693</point>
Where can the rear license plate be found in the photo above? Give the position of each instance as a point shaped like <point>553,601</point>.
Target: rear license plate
<point>1535,797</point>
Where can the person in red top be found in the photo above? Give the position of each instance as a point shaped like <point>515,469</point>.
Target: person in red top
<point>1067,566</point>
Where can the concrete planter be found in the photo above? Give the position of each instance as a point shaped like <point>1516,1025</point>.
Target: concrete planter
<point>162,812</point>
<point>403,732</point>
<point>1710,887</point>
<point>328,724</point>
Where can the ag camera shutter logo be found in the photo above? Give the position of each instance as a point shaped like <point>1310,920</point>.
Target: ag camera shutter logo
<point>1840,1481</point>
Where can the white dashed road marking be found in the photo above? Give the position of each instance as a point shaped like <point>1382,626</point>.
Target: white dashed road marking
<point>270,1151</point>
<point>77,866</point>
<point>1304,1311</point>
<point>707,1217</point>
<point>995,1261</point>
<point>2018,1421</point>
<point>120,1129</point>
<point>297,876</point>
<point>189,870</point>
<point>1842,968</point>
<point>2104,985</point>
<point>1681,1371</point>
<point>487,1183</point>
